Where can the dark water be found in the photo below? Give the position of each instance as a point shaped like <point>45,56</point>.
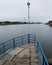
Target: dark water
<point>42,32</point>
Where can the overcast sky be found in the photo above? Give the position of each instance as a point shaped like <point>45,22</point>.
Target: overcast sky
<point>40,10</point>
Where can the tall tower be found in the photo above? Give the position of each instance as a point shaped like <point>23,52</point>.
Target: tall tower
<point>28,11</point>
<point>28,17</point>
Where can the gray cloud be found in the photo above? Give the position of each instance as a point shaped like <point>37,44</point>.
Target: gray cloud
<point>17,9</point>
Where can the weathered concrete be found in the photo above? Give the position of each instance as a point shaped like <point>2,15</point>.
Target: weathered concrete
<point>24,55</point>
<point>50,61</point>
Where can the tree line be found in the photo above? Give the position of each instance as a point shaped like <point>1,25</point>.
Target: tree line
<point>9,22</point>
<point>49,23</point>
<point>17,22</point>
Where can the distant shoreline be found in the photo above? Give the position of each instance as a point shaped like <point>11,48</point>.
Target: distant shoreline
<point>12,24</point>
<point>49,23</point>
<point>17,23</point>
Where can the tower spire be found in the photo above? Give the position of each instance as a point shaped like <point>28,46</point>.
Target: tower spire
<point>28,11</point>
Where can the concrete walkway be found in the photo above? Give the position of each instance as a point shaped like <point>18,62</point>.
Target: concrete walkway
<point>24,55</point>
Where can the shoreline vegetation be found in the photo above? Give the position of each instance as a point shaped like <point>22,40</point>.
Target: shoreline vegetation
<point>16,22</point>
<point>49,23</point>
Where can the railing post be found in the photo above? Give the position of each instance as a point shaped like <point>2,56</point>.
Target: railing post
<point>22,39</point>
<point>28,38</point>
<point>13,43</point>
<point>34,39</point>
<point>3,48</point>
<point>43,61</point>
<point>37,46</point>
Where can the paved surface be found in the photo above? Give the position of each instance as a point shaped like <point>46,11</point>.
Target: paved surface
<point>50,61</point>
<point>24,55</point>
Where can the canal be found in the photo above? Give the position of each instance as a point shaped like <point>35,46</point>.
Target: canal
<point>42,32</point>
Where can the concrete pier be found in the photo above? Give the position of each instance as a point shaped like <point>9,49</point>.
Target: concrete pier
<point>24,55</point>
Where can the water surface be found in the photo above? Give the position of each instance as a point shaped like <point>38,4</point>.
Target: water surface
<point>42,32</point>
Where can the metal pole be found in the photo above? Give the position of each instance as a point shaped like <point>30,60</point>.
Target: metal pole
<point>4,48</point>
<point>13,43</point>
<point>28,38</point>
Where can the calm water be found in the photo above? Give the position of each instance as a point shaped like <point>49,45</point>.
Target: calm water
<point>42,32</point>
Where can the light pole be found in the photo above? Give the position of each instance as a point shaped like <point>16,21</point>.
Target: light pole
<point>28,11</point>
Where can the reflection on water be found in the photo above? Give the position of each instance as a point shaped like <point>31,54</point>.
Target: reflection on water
<point>42,32</point>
